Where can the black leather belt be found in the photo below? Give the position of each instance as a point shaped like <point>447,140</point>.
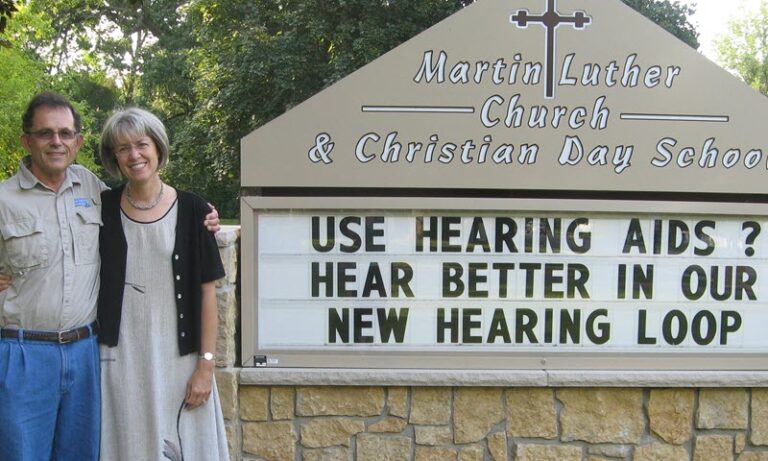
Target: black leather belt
<point>61,337</point>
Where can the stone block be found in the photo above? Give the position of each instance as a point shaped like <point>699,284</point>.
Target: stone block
<point>339,401</point>
<point>532,452</point>
<point>436,454</point>
<point>389,424</point>
<point>229,260</point>
<point>226,346</point>
<point>327,432</point>
<point>497,446</point>
<point>753,456</point>
<point>397,401</point>
<point>227,383</point>
<point>759,419</point>
<point>270,441</point>
<point>375,447</point>
<point>473,452</point>
<point>254,403</point>
<point>282,402</point>
<point>475,412</point>
<point>602,415</point>
<point>661,452</point>
<point>670,412</point>
<point>611,451</point>
<point>531,413</point>
<point>723,409</point>
<point>433,435</point>
<point>233,440</point>
<point>739,442</point>
<point>713,448</point>
<point>430,405</point>
<point>327,454</point>
<point>227,236</point>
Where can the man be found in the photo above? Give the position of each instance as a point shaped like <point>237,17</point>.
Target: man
<point>50,215</point>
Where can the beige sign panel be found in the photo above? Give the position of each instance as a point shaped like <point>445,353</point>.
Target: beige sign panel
<point>525,94</point>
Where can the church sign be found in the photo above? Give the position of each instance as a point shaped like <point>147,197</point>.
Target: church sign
<point>528,184</point>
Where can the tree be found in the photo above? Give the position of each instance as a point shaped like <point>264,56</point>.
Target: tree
<point>22,78</point>
<point>7,8</point>
<point>673,17</point>
<point>25,73</point>
<point>113,37</point>
<point>744,48</point>
<point>241,45</point>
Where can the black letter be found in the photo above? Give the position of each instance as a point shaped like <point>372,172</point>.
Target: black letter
<point>452,325</point>
<point>634,237</point>
<point>452,273</point>
<point>506,229</point>
<point>338,326</point>
<point>704,237</point>
<point>330,226</point>
<point>682,331</point>
<point>701,282</point>
<point>359,324</point>
<point>468,324</point>
<point>317,279</point>
<point>586,237</point>
<point>498,327</point>
<point>697,325</point>
<point>389,322</point>
<point>402,274</point>
<point>729,327</point>
<point>372,231</point>
<point>641,327</point>
<point>478,236</point>
<point>350,234</point>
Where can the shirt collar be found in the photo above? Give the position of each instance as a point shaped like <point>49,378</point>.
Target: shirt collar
<point>27,180</point>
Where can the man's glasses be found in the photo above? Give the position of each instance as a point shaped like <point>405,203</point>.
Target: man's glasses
<point>47,135</point>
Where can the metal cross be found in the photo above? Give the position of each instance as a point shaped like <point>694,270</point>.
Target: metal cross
<point>551,20</point>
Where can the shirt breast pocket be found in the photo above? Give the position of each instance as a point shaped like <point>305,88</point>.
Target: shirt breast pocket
<point>85,229</point>
<point>25,244</point>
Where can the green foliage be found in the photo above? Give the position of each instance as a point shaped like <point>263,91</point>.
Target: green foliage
<point>7,8</point>
<point>25,73</point>
<point>673,17</point>
<point>249,62</point>
<point>22,78</point>
<point>94,96</point>
<point>744,49</point>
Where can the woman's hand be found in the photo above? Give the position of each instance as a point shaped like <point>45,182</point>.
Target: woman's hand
<point>212,220</point>
<point>5,281</point>
<point>200,384</point>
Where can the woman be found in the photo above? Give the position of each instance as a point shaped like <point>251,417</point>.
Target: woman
<point>157,306</point>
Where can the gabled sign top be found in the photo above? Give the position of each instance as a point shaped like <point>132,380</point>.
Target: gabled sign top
<point>525,95</point>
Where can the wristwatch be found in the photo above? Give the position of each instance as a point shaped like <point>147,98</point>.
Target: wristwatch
<point>207,356</point>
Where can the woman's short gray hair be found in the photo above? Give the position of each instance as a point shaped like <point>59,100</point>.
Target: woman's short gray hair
<point>131,123</point>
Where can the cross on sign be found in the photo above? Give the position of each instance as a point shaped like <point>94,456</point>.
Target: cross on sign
<point>551,20</point>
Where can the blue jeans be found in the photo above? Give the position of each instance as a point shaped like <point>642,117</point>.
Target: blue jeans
<point>50,400</point>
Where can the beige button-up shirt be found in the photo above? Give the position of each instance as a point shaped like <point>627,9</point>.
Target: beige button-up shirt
<point>49,243</point>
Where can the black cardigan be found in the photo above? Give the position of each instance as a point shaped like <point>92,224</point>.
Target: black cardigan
<point>195,261</point>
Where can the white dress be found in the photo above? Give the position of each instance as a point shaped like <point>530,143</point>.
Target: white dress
<point>144,379</point>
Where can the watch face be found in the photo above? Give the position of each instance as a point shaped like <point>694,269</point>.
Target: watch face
<point>207,356</point>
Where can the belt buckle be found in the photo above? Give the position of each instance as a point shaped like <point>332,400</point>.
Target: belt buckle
<point>62,339</point>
